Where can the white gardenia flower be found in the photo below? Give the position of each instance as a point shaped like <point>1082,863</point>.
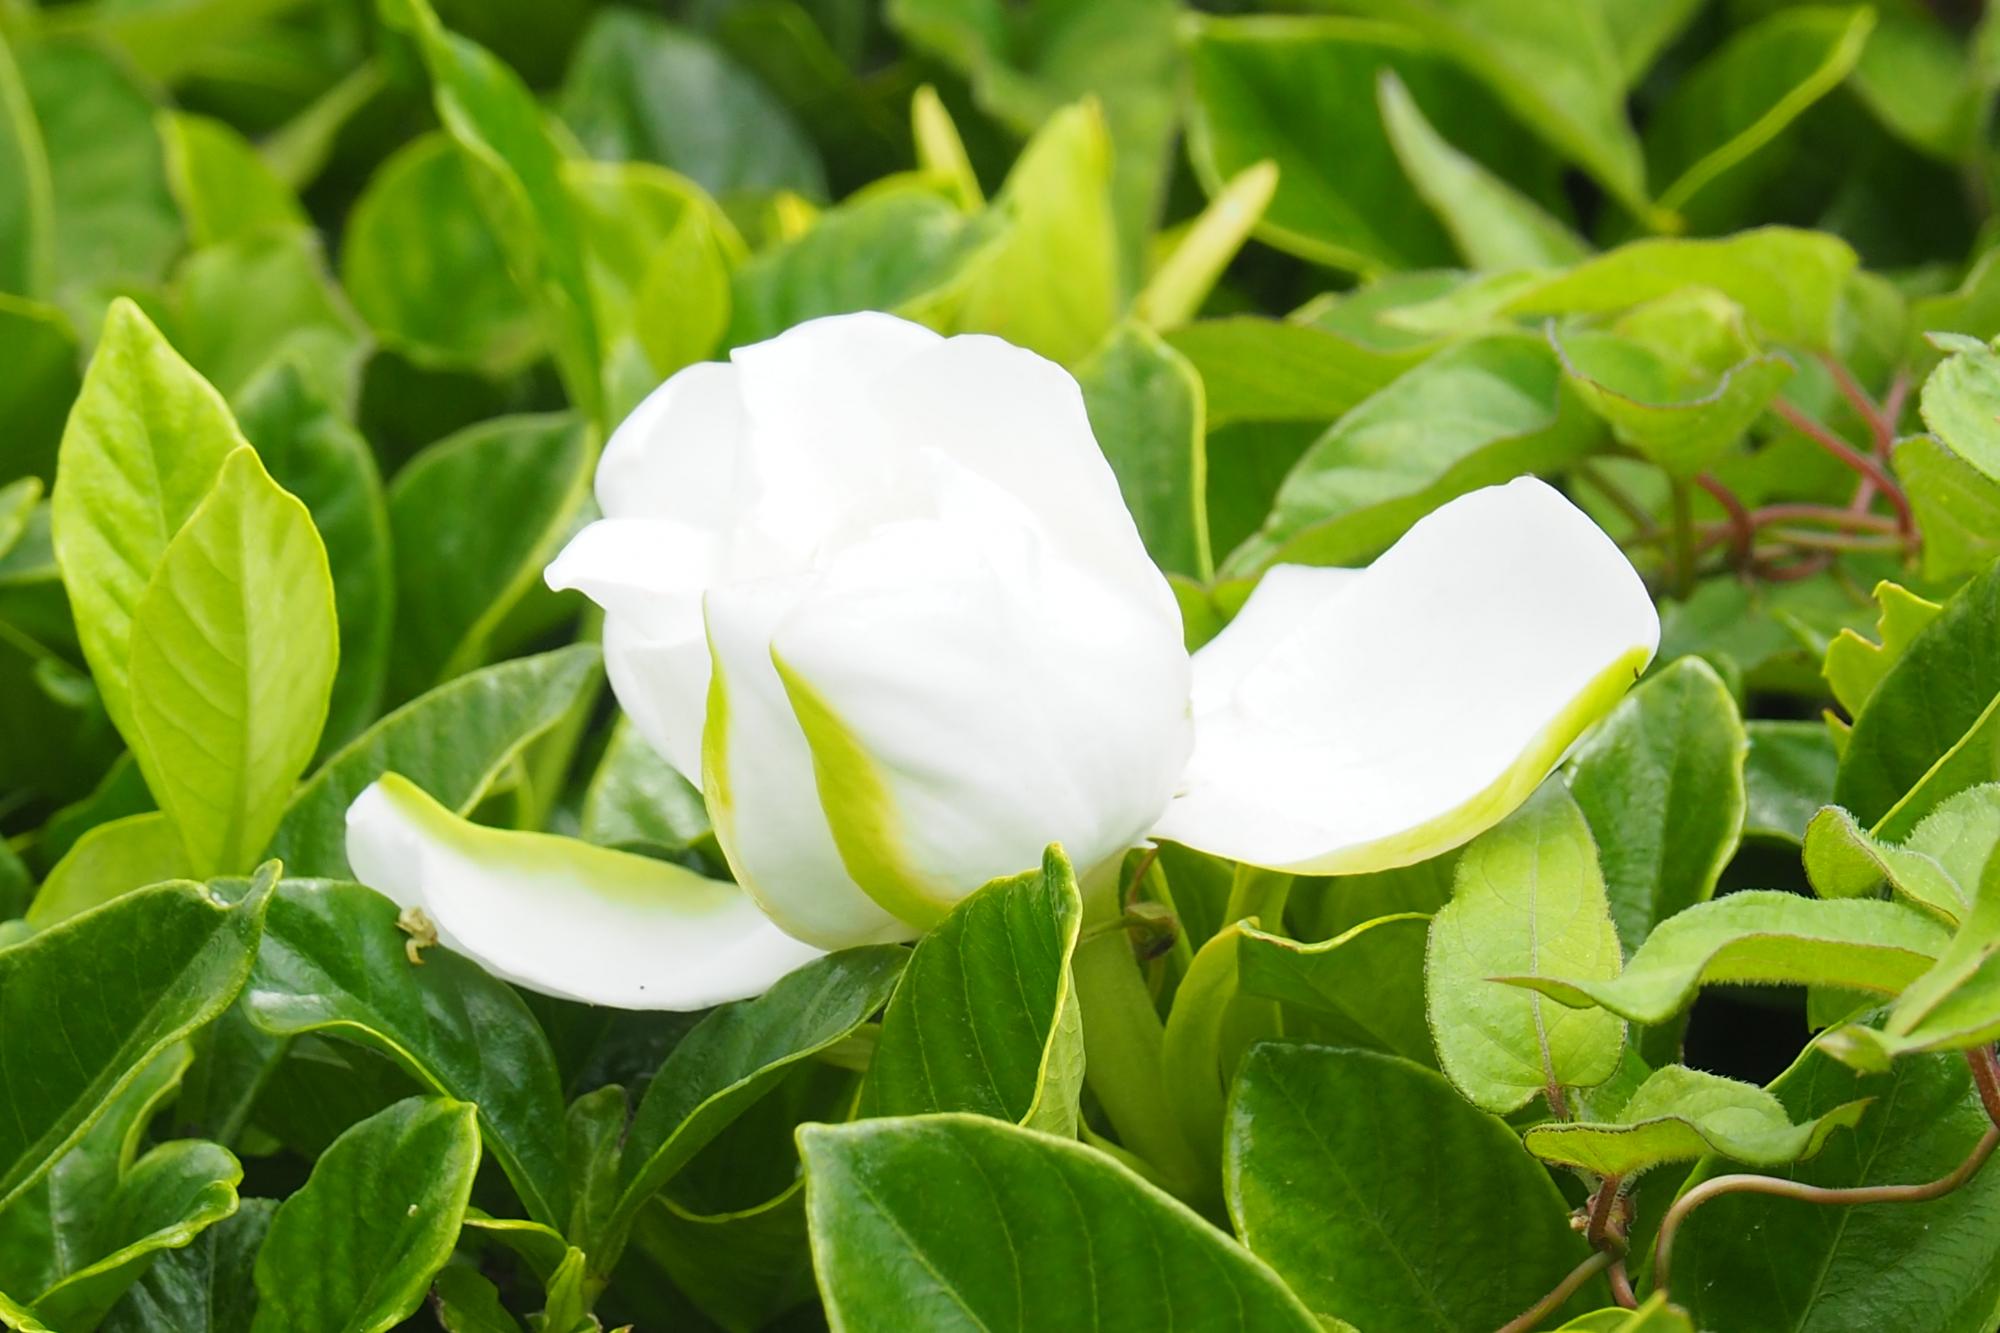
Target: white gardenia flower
<point>874,591</point>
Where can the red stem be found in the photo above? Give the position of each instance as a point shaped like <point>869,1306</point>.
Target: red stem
<point>1742,523</point>
<point>1868,467</point>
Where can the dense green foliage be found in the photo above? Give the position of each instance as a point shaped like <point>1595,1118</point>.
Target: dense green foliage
<point>315,316</point>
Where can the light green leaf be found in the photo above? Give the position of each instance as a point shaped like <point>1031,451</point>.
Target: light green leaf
<point>1936,868</point>
<point>1473,415</point>
<point>739,1053</point>
<point>237,303</point>
<point>984,1019</point>
<point>1932,726</point>
<point>1683,421</point>
<point>1202,249</point>
<point>962,1222</point>
<point>683,306</point>
<point>1789,282</point>
<point>1051,281</point>
<point>143,446</point>
<point>27,205</point>
<point>1301,92</point>
<point>1655,1314</point>
<point>233,651</point>
<point>1961,401</point>
<point>1661,782</point>
<point>1334,1162</point>
<point>1528,900</point>
<point>1494,225</point>
<point>1761,937</point>
<point>1147,412</point>
<point>1363,988</point>
<point>1855,666</point>
<point>1641,29</point>
<point>355,1249</point>
<point>1679,1114</point>
<point>115,220</point>
<point>1257,369</point>
<point>111,859</point>
<point>314,453</point>
<point>1745,94</point>
<point>461,569</point>
<point>225,191</point>
<point>333,962</point>
<point>424,268</point>
<point>641,89</point>
<point>453,742</point>
<point>1957,507</point>
<point>89,1003</point>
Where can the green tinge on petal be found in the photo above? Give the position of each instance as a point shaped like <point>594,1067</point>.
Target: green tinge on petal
<point>1464,822</point>
<point>861,810</point>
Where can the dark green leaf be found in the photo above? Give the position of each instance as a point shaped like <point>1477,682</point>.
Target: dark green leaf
<point>1364,988</point>
<point>206,1286</point>
<point>1787,776</point>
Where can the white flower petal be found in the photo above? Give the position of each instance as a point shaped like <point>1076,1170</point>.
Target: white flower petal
<point>662,684</point>
<point>1428,698</point>
<point>971,696</point>
<point>649,570</point>
<point>758,780</point>
<point>562,917</point>
<point>1018,420</point>
<point>1283,600</point>
<point>679,453</point>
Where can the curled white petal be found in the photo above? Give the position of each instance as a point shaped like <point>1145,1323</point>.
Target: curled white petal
<point>562,917</point>
<point>1421,700</point>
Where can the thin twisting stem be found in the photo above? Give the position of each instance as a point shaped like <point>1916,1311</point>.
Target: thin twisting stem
<point>1742,524</point>
<point>1868,467</point>
<point>1986,1077</point>
<point>1621,1286</point>
<point>1713,1188</point>
<point>1532,1317</point>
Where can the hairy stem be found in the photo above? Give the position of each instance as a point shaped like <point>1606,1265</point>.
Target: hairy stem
<point>1532,1317</point>
<point>1718,1186</point>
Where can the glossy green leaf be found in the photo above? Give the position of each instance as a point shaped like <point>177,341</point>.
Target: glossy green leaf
<point>1363,988</point>
<point>453,742</point>
<point>206,1286</point>
<point>1679,1114</point>
<point>313,452</point>
<point>162,1202</point>
<point>142,448</point>
<point>517,179</point>
<point>1147,412</point>
<point>739,1053</point>
<point>742,1269</point>
<point>892,250</point>
<point>1929,728</point>
<point>333,961</point>
<point>1554,65</point>
<point>1493,224</point>
<point>1661,782</point>
<point>641,89</point>
<point>1929,1265</point>
<point>90,1002</point>
<point>466,1302</point>
<point>1528,900</point>
<point>962,1222</point>
<point>1301,92</point>
<point>1745,94</point>
<point>1787,776</point>
<point>460,570</point>
<point>423,267</point>
<point>1761,937</point>
<point>636,800</point>
<point>684,295</point>
<point>985,1019</point>
<point>1471,416</point>
<point>233,650</point>
<point>354,1250</point>
<point>1334,1163</point>
<point>224,189</point>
